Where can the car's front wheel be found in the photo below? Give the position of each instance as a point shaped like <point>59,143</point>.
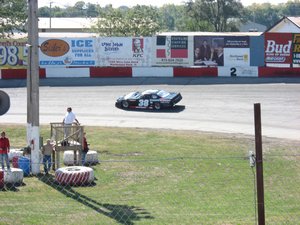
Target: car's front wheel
<point>125,104</point>
<point>157,105</point>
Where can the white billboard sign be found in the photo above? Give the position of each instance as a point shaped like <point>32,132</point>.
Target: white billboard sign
<point>124,51</point>
<point>67,52</point>
<point>236,57</point>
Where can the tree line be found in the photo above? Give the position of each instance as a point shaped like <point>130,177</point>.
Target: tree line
<point>141,20</point>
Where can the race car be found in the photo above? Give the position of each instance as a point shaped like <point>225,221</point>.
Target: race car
<point>148,99</point>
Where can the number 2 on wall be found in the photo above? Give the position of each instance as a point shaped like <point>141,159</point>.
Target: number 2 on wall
<point>233,72</point>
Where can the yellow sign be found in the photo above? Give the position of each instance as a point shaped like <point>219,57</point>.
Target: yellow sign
<point>296,49</point>
<point>13,54</point>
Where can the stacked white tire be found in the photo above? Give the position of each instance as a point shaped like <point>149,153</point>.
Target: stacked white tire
<point>69,158</point>
<point>74,175</point>
<point>14,152</point>
<point>14,176</point>
<point>90,159</point>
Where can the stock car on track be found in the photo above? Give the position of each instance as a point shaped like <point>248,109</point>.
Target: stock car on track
<point>149,99</point>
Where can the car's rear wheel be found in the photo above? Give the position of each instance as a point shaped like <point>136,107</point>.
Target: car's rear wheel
<point>125,104</point>
<point>157,105</point>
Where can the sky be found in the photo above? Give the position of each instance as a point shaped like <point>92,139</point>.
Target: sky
<point>130,3</point>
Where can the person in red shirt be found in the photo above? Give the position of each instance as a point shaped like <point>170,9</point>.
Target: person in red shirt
<point>4,150</point>
<point>85,149</point>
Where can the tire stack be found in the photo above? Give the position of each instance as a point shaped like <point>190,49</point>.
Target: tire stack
<point>74,175</point>
<point>14,155</point>
<point>69,158</point>
<point>90,159</point>
<point>14,177</point>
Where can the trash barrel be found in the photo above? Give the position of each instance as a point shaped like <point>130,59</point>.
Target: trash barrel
<point>15,160</point>
<point>24,164</point>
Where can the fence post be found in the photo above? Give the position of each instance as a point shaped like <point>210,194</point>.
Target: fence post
<point>259,165</point>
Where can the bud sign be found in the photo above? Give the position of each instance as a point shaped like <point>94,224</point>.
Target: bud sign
<point>278,48</point>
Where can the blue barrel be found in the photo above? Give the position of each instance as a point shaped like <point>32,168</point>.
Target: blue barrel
<point>24,164</point>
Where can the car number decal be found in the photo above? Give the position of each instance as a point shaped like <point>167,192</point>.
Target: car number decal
<point>143,103</point>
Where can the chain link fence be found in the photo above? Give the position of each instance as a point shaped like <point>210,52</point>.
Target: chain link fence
<point>130,189</point>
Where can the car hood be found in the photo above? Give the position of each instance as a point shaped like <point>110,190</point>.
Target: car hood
<point>171,95</point>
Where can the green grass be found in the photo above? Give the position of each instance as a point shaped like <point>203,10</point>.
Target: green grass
<point>161,177</point>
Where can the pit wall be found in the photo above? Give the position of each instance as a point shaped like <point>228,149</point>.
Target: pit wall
<point>98,72</point>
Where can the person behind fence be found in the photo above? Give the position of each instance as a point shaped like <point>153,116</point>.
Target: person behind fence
<point>47,150</point>
<point>4,150</point>
<point>85,149</point>
<point>68,120</point>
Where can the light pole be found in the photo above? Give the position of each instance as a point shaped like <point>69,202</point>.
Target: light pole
<point>33,132</point>
<point>50,15</point>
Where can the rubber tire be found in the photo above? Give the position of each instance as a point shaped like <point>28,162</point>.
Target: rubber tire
<point>157,106</point>
<point>74,175</point>
<point>125,104</point>
<point>14,152</point>
<point>91,157</point>
<point>4,102</point>
<point>69,158</point>
<point>14,176</point>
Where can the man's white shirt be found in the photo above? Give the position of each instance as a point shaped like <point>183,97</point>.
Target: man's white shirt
<point>69,118</point>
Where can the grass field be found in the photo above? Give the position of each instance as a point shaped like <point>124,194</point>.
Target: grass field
<point>150,176</point>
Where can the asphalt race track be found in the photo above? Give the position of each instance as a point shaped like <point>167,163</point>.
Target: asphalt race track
<point>215,105</point>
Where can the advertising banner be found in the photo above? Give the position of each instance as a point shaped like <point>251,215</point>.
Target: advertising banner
<point>172,51</point>
<point>236,51</point>
<point>278,48</point>
<point>221,51</point>
<point>296,49</point>
<point>236,57</point>
<point>13,54</point>
<point>67,52</point>
<point>208,51</point>
<point>236,42</point>
<point>124,51</point>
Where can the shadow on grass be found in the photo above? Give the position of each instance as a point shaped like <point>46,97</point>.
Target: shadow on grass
<point>12,187</point>
<point>123,214</point>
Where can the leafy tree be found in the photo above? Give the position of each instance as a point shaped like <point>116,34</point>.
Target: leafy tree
<point>195,22</point>
<point>142,21</point>
<point>52,12</point>
<point>92,10</point>
<point>266,14</point>
<point>109,23</point>
<point>292,8</point>
<point>195,15</point>
<point>44,12</point>
<point>217,13</point>
<point>138,21</point>
<point>13,15</point>
<point>173,17</point>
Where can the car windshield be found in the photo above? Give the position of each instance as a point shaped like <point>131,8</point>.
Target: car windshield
<point>163,93</point>
<point>135,94</point>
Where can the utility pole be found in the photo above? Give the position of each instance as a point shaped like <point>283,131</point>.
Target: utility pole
<point>33,132</point>
<point>50,15</point>
<point>259,165</point>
